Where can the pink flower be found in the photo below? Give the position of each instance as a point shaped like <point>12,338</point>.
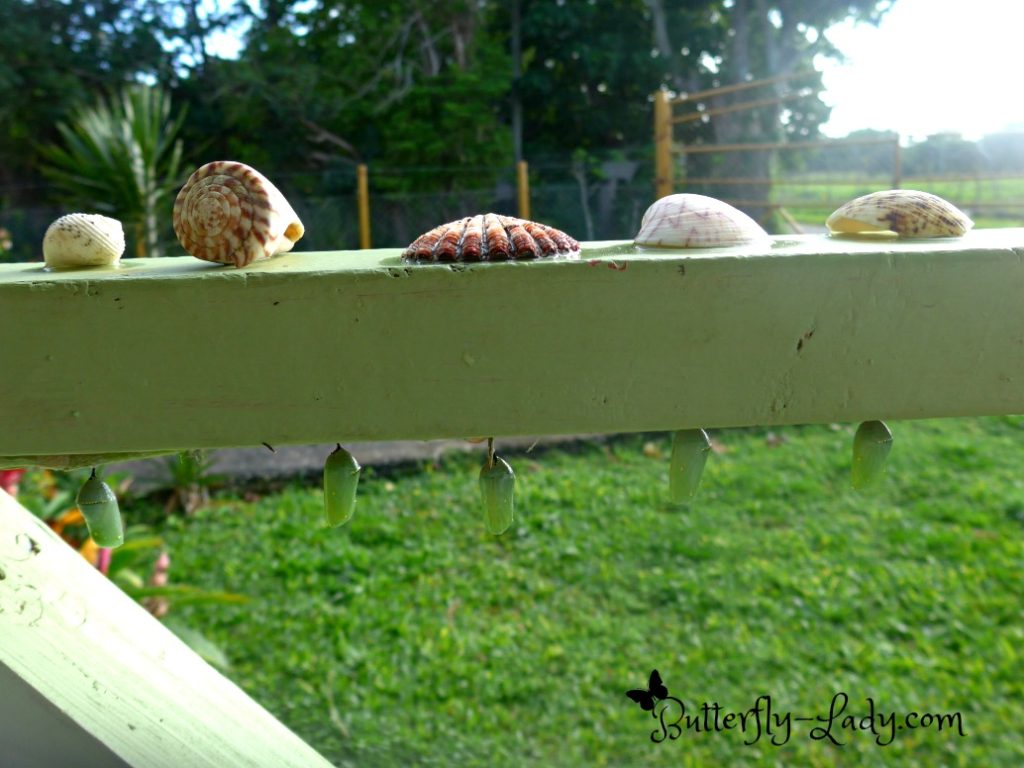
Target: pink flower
<point>103,558</point>
<point>9,479</point>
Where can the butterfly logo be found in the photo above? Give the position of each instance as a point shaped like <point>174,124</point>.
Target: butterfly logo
<point>655,690</point>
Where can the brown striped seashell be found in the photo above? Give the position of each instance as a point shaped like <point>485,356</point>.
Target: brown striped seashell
<point>491,237</point>
<point>902,212</point>
<point>230,213</point>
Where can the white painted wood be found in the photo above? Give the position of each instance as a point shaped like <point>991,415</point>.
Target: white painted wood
<point>35,733</point>
<point>116,678</point>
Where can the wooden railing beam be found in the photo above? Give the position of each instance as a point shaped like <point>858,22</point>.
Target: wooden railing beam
<point>174,353</point>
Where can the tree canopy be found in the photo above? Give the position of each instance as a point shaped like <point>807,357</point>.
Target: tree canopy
<point>58,56</point>
<point>406,82</point>
<point>449,87</point>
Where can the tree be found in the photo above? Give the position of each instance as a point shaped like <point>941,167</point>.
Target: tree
<point>589,71</point>
<point>57,56</point>
<point>944,154</point>
<point>186,29</point>
<point>427,86</point>
<point>1004,151</point>
<point>403,83</point>
<point>761,39</point>
<point>121,157</point>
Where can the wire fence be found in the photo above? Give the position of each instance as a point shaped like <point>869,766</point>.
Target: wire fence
<point>991,197</point>
<point>793,182</point>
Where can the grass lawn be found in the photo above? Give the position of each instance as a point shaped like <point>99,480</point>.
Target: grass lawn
<point>411,637</point>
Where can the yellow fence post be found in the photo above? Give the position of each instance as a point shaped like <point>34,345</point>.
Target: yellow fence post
<point>662,145</point>
<point>897,164</point>
<point>523,188</point>
<point>363,200</point>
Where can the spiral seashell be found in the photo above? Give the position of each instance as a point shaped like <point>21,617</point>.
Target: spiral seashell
<point>230,213</point>
<point>696,221</point>
<point>491,237</point>
<point>904,212</point>
<point>83,240</point>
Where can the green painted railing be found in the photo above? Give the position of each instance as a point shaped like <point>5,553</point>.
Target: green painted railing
<point>170,354</point>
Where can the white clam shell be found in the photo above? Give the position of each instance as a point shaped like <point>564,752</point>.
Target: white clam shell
<point>697,221</point>
<point>83,240</point>
<point>904,212</point>
<point>230,213</point>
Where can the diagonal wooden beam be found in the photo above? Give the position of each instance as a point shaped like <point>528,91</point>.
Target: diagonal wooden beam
<point>89,678</point>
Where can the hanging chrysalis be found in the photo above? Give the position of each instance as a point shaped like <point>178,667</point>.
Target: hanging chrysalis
<point>98,506</point>
<point>871,446</point>
<point>497,491</point>
<point>341,478</point>
<point>690,448</point>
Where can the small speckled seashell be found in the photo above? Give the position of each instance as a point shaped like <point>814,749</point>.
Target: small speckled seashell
<point>697,221</point>
<point>230,213</point>
<point>83,240</point>
<point>491,237</point>
<point>904,212</point>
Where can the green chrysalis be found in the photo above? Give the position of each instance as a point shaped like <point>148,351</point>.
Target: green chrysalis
<point>497,491</point>
<point>98,506</point>
<point>341,478</point>
<point>690,449</point>
<point>871,446</point>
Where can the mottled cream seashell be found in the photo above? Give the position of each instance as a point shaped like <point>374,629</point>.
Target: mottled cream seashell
<point>230,213</point>
<point>687,220</point>
<point>83,240</point>
<point>904,212</point>
<point>491,237</point>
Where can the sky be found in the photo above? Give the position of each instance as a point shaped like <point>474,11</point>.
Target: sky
<point>930,66</point>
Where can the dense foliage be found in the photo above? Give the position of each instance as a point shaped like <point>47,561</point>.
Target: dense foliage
<point>397,82</point>
<point>56,57</point>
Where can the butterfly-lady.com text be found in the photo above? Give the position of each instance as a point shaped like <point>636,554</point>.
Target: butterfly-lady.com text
<point>763,721</point>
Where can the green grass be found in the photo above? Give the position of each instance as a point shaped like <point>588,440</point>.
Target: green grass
<point>411,637</point>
